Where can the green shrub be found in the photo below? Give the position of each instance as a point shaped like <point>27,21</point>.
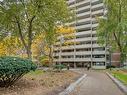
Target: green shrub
<point>13,68</point>
<point>59,67</point>
<point>44,61</point>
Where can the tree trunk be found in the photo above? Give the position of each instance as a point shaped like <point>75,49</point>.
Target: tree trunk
<point>50,56</point>
<point>30,38</point>
<point>29,53</point>
<point>27,46</point>
<point>122,56</point>
<point>122,59</point>
<point>21,36</point>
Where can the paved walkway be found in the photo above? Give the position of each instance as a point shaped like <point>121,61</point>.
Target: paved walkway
<point>96,83</point>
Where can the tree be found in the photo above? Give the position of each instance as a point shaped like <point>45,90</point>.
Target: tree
<point>50,39</point>
<point>43,45</point>
<point>27,18</point>
<point>2,49</point>
<point>12,44</point>
<point>9,46</point>
<point>68,34</point>
<point>112,29</point>
<point>38,46</point>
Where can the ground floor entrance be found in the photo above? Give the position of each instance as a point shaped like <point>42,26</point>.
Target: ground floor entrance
<point>93,65</point>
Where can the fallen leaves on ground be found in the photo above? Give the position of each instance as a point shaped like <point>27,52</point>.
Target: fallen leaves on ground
<point>47,83</point>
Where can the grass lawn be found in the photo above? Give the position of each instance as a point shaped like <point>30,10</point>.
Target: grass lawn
<point>41,83</point>
<point>122,76</point>
<point>35,73</point>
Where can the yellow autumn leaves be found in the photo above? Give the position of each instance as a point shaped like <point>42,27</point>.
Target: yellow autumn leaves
<point>9,46</point>
<point>13,46</point>
<point>68,33</point>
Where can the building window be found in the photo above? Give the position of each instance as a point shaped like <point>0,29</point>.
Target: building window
<point>99,64</point>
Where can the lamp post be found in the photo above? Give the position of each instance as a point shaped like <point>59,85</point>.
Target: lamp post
<point>61,42</point>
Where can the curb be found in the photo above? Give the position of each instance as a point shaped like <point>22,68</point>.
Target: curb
<point>72,86</point>
<point>118,83</point>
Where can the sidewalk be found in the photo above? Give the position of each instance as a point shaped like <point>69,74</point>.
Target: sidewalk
<point>97,83</point>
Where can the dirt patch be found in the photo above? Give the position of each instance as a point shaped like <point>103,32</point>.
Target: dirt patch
<point>125,70</point>
<point>47,83</point>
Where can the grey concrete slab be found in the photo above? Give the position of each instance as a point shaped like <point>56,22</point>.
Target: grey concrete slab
<point>73,86</point>
<point>97,83</point>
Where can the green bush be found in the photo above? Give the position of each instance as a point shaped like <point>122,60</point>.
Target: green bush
<point>13,68</point>
<point>44,61</point>
<point>59,67</point>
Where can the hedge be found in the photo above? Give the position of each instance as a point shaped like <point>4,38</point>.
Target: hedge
<point>13,68</point>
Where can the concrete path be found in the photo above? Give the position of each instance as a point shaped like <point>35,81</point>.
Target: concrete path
<point>97,83</point>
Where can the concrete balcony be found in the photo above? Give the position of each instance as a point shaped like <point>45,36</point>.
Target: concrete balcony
<point>83,20</point>
<point>98,5</point>
<point>96,45</point>
<point>95,25</point>
<point>73,60</point>
<point>97,12</point>
<point>94,19</point>
<point>94,1</point>
<point>83,14</point>
<point>83,53</point>
<point>94,38</point>
<point>80,53</point>
<point>83,46</point>
<point>77,47</point>
<point>80,3</point>
<point>89,52</point>
<point>93,32</point>
<point>70,1</point>
<point>72,6</point>
<point>68,47</point>
<point>83,33</point>
<point>98,52</point>
<point>98,59</point>
<point>83,8</point>
<point>83,2</point>
<point>83,39</point>
<point>64,60</point>
<point>67,53</point>
<point>82,59</point>
<point>83,26</point>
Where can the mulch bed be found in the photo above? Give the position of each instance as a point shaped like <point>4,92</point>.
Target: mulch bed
<point>124,70</point>
<point>48,83</point>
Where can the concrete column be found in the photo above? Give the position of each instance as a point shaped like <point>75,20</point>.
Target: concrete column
<point>83,65</point>
<point>75,66</point>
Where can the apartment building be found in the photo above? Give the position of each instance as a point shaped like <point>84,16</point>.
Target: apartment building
<point>85,50</point>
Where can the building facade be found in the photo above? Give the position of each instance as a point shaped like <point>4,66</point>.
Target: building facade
<point>85,50</point>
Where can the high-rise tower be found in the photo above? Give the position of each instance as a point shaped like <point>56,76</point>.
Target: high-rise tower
<point>86,50</point>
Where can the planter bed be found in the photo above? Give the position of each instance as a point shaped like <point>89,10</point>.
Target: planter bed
<point>41,83</point>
